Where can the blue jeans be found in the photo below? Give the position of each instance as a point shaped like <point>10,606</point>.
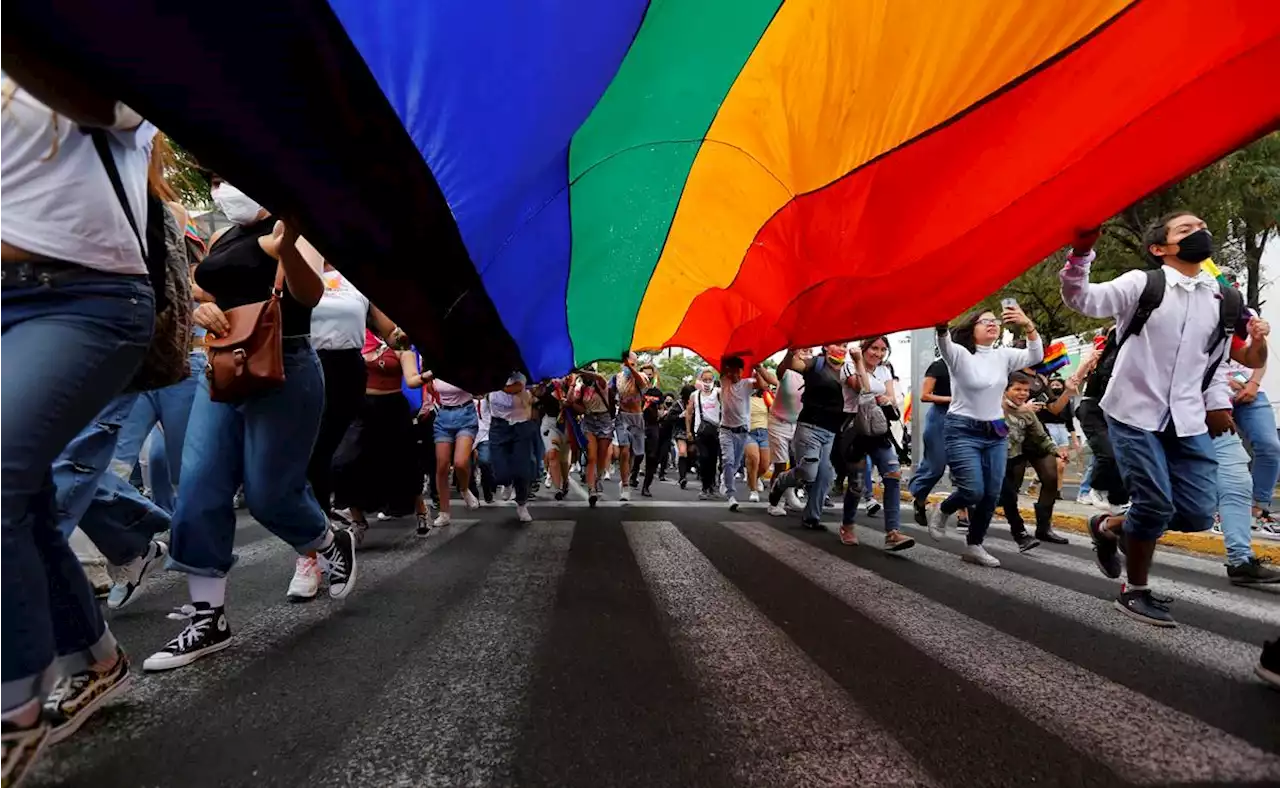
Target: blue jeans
<point>1257,423</point>
<point>813,471</point>
<point>885,459</point>
<point>512,447</point>
<point>1235,485</point>
<point>733,447</point>
<point>977,456</point>
<point>112,513</point>
<point>170,407</point>
<point>1086,477</point>
<point>1149,461</point>
<point>263,443</point>
<point>454,422</point>
<point>934,462</point>
<point>69,347</point>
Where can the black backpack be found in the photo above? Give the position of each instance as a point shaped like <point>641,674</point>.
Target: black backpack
<point>1230,308</point>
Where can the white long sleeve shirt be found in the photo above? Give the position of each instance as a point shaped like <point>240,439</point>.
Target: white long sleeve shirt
<point>1158,373</point>
<point>978,380</point>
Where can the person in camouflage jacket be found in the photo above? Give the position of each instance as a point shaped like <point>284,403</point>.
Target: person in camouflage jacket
<point>1029,444</point>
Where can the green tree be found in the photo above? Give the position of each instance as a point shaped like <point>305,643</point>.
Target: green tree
<point>675,370</point>
<point>185,176</point>
<point>1238,196</point>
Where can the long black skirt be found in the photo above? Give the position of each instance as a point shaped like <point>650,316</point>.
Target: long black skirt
<point>376,467</point>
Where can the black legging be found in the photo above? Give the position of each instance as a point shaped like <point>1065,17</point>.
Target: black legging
<point>344,382</point>
<point>657,444</point>
<point>708,455</point>
<point>1106,473</point>
<point>1046,469</point>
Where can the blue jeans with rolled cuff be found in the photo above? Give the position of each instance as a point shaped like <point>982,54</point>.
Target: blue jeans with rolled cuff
<point>263,443</point>
<point>1235,488</point>
<point>170,407</point>
<point>813,470</point>
<point>977,456</point>
<point>1257,424</point>
<point>934,462</point>
<point>117,518</point>
<point>71,343</point>
<point>1150,462</point>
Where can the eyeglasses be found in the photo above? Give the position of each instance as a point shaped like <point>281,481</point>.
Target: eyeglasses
<point>988,321</point>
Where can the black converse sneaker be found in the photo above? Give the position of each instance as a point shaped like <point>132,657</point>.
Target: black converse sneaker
<point>207,631</point>
<point>22,747</point>
<point>424,524</point>
<point>77,697</point>
<point>339,563</point>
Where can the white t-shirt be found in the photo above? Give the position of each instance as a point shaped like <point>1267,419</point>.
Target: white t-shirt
<point>786,403</point>
<point>512,407</point>
<point>56,200</point>
<point>338,321</point>
<point>706,408</point>
<point>485,418</point>
<point>879,377</point>
<point>450,395</point>
<point>736,401</point>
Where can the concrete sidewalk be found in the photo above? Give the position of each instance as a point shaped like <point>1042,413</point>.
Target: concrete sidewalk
<point>1072,516</point>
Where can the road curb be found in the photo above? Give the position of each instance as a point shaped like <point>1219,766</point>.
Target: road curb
<point>1203,543</point>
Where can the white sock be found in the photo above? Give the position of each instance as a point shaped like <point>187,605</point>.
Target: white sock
<point>1134,587</point>
<point>210,590</point>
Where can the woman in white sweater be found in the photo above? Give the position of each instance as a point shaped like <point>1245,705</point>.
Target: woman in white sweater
<point>975,430</point>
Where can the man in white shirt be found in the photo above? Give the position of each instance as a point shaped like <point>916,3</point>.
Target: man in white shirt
<point>735,416</point>
<point>1155,404</point>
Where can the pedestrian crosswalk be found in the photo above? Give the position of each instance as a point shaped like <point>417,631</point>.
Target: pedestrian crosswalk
<point>704,648</point>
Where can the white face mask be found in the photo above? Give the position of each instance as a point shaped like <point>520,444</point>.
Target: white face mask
<point>235,204</point>
<point>706,385</point>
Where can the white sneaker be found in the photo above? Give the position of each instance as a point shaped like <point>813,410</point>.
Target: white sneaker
<point>937,521</point>
<point>759,485</point>
<point>625,494</point>
<point>130,576</point>
<point>733,504</point>
<point>1084,499</point>
<point>442,520</point>
<point>306,579</point>
<point>754,497</point>
<point>522,512</point>
<point>470,499</point>
<point>509,494</point>
<point>792,500</point>
<point>608,475</point>
<point>977,554</point>
<point>777,511</point>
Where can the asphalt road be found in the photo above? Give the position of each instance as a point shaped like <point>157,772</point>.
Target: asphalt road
<point>673,643</point>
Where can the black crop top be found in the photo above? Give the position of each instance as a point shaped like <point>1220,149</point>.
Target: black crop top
<point>237,272</point>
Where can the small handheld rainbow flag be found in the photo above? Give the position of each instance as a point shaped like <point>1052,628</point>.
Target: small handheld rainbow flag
<point>1055,358</point>
<point>1212,269</point>
<point>906,409</point>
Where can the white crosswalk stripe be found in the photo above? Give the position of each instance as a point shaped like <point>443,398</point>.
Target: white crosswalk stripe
<point>1099,716</point>
<point>1261,605</point>
<point>795,725</point>
<point>491,638</point>
<point>1205,650</point>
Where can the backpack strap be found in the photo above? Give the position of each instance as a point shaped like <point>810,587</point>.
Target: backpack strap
<point>1230,310</point>
<point>1150,300</point>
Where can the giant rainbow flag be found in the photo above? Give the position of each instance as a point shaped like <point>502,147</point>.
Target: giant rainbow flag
<point>534,184</point>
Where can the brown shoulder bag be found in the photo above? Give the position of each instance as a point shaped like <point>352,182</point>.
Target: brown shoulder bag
<point>249,359</point>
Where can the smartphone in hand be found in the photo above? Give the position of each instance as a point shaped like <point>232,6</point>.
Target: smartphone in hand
<point>1008,303</point>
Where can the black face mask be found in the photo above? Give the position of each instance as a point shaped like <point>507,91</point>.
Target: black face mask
<point>1057,391</point>
<point>1196,248</point>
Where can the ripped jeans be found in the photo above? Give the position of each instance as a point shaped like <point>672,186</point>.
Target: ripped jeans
<point>111,512</point>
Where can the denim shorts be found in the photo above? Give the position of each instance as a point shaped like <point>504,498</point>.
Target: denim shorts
<point>455,422</point>
<point>630,432</point>
<point>760,437</point>
<point>598,424</point>
<point>1059,434</point>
